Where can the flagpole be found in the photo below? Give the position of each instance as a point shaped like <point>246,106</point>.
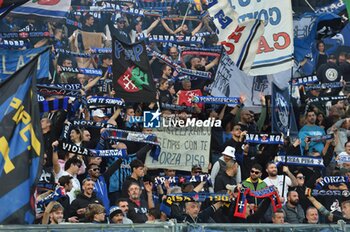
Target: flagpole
<point>188,9</point>
<point>289,122</point>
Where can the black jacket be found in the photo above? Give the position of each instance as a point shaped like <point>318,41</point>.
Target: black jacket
<point>83,201</point>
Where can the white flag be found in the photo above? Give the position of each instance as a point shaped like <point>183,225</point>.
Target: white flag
<point>240,40</point>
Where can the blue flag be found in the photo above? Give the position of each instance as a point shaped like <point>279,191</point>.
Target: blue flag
<point>282,114</point>
<point>21,147</point>
<point>12,60</point>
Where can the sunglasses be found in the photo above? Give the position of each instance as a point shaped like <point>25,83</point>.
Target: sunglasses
<point>301,177</point>
<point>255,172</point>
<point>95,169</point>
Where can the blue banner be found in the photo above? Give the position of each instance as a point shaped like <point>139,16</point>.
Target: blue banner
<point>12,60</point>
<point>282,113</point>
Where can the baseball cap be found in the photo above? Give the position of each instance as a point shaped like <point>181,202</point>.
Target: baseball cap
<point>230,151</point>
<point>98,113</point>
<point>114,210</point>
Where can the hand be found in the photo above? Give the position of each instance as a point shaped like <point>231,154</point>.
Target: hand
<point>285,169</point>
<point>73,219</point>
<point>282,199</point>
<point>262,99</point>
<point>55,144</point>
<point>167,184</point>
<point>242,99</point>
<point>81,211</point>
<point>296,142</point>
<point>148,187</point>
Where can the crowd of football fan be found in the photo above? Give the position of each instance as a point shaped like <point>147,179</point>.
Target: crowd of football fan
<point>111,190</point>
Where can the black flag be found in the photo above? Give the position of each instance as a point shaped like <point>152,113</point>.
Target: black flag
<point>132,75</point>
<point>7,5</point>
<point>21,147</point>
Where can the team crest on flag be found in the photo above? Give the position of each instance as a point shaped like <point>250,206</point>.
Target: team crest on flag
<point>132,75</point>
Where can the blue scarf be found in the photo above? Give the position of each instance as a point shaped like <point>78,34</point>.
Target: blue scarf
<point>72,148</point>
<point>56,104</point>
<point>159,180</point>
<point>98,51</point>
<point>177,107</point>
<point>216,100</point>
<point>264,138</point>
<point>92,124</point>
<point>304,80</point>
<point>25,35</point>
<point>74,23</point>
<point>299,161</point>
<point>52,90</point>
<point>105,101</point>
<point>330,180</point>
<point>70,53</point>
<point>324,99</point>
<point>324,86</point>
<point>116,134</point>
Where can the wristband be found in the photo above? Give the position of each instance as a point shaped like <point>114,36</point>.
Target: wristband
<point>55,149</point>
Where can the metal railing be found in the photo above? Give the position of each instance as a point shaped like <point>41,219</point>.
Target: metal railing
<point>171,227</point>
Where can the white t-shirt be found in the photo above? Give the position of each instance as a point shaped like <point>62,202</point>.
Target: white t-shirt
<point>75,182</point>
<point>278,182</point>
<point>342,158</point>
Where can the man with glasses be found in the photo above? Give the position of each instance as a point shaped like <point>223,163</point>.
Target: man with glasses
<point>120,28</point>
<point>253,182</point>
<point>101,180</point>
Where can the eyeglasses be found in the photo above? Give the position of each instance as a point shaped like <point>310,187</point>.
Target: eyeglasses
<point>95,169</point>
<point>255,172</point>
<point>197,172</point>
<point>122,22</point>
<point>301,177</point>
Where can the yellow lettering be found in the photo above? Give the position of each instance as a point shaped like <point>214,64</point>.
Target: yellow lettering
<point>18,116</point>
<point>15,103</point>
<point>4,150</point>
<point>23,131</point>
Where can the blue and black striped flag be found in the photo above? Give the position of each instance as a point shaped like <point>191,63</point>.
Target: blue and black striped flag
<point>21,146</point>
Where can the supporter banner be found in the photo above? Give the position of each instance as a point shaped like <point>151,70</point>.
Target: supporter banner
<point>56,104</point>
<point>231,82</point>
<point>216,100</point>
<point>331,180</point>
<point>85,123</point>
<point>53,196</point>
<point>86,71</point>
<point>317,193</point>
<point>181,179</point>
<point>275,51</point>
<point>264,138</point>
<point>305,80</point>
<point>70,53</point>
<point>25,35</point>
<point>181,148</point>
<point>98,51</point>
<point>50,9</point>
<point>11,43</point>
<point>12,60</point>
<point>321,138</point>
<point>105,101</point>
<point>53,90</point>
<point>21,145</point>
<point>132,75</point>
<point>70,147</point>
<point>324,86</point>
<point>157,5</point>
<point>240,40</point>
<point>174,39</point>
<point>74,23</point>
<point>323,99</point>
<point>299,161</point>
<point>198,197</point>
<point>173,107</point>
<point>116,134</point>
<point>185,97</point>
<point>283,118</point>
<point>270,192</point>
